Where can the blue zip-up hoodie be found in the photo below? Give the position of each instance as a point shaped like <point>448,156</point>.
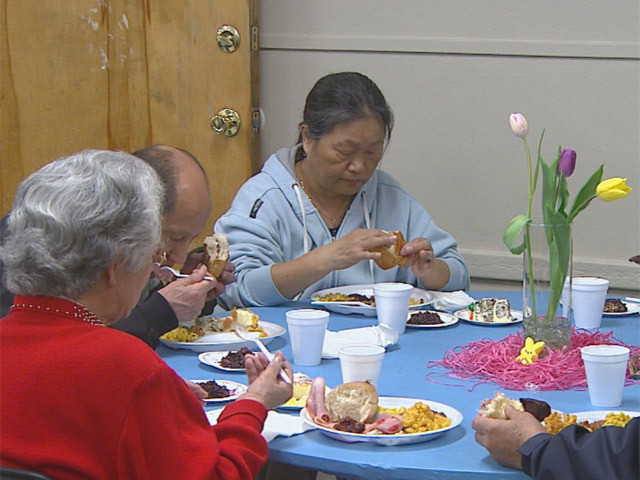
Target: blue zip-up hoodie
<point>271,220</point>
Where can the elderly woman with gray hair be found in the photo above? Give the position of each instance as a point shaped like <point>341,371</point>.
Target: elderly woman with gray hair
<point>78,400</point>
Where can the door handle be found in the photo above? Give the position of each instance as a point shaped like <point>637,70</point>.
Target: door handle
<point>227,38</point>
<point>226,122</point>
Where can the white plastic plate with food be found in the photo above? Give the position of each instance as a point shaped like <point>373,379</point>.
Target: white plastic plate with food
<point>465,314</point>
<point>213,359</point>
<point>632,309</point>
<point>597,415</point>
<point>225,341</point>
<point>391,440</point>
<point>446,319</point>
<point>419,299</point>
<point>235,389</point>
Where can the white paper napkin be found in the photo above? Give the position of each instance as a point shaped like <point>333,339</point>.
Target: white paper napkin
<point>451,300</point>
<point>376,335</point>
<point>276,424</point>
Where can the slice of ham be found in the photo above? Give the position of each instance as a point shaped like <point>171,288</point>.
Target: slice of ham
<point>385,423</point>
<point>315,403</point>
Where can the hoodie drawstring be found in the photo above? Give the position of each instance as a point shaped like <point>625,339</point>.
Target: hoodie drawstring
<point>305,236</point>
<point>367,222</point>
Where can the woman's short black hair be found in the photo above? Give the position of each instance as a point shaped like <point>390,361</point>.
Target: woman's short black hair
<point>340,98</point>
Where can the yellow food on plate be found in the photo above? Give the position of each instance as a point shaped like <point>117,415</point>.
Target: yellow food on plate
<point>616,419</point>
<point>300,393</point>
<point>392,411</point>
<point>557,421</point>
<point>180,334</point>
<point>247,319</point>
<point>420,418</point>
<point>370,301</point>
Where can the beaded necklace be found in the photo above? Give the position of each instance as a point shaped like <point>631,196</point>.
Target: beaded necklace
<point>75,311</point>
<point>335,221</point>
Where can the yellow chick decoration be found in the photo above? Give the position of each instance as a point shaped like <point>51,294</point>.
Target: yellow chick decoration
<point>530,352</point>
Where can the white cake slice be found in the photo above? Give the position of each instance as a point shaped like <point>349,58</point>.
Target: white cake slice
<point>492,310</point>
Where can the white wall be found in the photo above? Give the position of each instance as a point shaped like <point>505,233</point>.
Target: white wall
<point>453,71</point>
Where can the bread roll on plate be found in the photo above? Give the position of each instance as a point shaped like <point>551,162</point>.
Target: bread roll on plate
<point>356,400</point>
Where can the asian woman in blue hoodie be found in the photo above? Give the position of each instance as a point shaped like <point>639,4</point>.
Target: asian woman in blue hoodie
<point>309,220</point>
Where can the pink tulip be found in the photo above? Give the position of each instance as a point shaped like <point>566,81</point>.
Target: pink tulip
<point>519,125</point>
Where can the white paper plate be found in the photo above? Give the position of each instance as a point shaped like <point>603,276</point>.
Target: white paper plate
<point>227,340</point>
<point>447,318</point>
<point>361,308</point>
<point>236,389</point>
<point>632,309</point>
<point>390,440</point>
<point>213,360</point>
<point>597,415</point>
<point>465,314</point>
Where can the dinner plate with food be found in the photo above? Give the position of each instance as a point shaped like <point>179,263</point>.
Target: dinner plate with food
<point>430,319</point>
<point>614,307</point>
<point>229,361</point>
<point>353,412</point>
<point>359,299</point>
<point>554,420</point>
<point>221,390</point>
<point>216,333</point>
<point>492,312</point>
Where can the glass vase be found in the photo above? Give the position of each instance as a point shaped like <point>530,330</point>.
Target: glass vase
<point>546,285</point>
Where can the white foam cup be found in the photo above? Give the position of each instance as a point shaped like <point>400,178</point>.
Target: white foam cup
<point>307,328</point>
<point>392,304</point>
<point>587,300</point>
<point>606,368</point>
<point>361,363</point>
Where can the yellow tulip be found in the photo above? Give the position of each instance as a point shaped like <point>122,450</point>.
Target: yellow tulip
<point>612,189</point>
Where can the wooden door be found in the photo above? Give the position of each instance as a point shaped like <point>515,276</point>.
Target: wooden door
<point>124,74</point>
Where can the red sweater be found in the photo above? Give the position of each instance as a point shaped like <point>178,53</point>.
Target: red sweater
<point>80,401</point>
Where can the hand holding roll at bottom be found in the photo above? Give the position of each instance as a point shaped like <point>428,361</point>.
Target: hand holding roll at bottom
<point>503,437</point>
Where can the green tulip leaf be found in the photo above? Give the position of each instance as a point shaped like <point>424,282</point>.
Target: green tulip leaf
<point>559,256</point>
<point>537,171</point>
<point>548,190</point>
<point>563,194</point>
<point>586,193</point>
<point>512,232</point>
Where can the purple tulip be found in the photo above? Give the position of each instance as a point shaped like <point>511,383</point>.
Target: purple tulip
<point>567,162</point>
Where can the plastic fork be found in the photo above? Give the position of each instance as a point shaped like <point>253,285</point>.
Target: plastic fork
<point>177,274</point>
<point>243,333</point>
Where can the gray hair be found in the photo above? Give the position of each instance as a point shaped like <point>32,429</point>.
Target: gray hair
<point>74,217</point>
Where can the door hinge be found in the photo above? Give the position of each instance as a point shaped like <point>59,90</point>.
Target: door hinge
<point>254,38</point>
<point>256,120</point>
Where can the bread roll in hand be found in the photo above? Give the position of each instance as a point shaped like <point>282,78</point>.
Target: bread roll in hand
<point>391,253</point>
<point>216,248</point>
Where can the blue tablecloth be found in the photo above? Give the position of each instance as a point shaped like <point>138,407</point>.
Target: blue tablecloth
<point>453,455</point>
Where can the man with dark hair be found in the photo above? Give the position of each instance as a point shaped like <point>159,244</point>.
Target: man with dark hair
<point>186,209</point>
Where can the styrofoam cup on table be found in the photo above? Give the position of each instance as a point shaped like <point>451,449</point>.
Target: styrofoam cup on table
<point>361,363</point>
<point>392,304</point>
<point>606,369</point>
<point>307,327</point>
<point>587,300</point>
